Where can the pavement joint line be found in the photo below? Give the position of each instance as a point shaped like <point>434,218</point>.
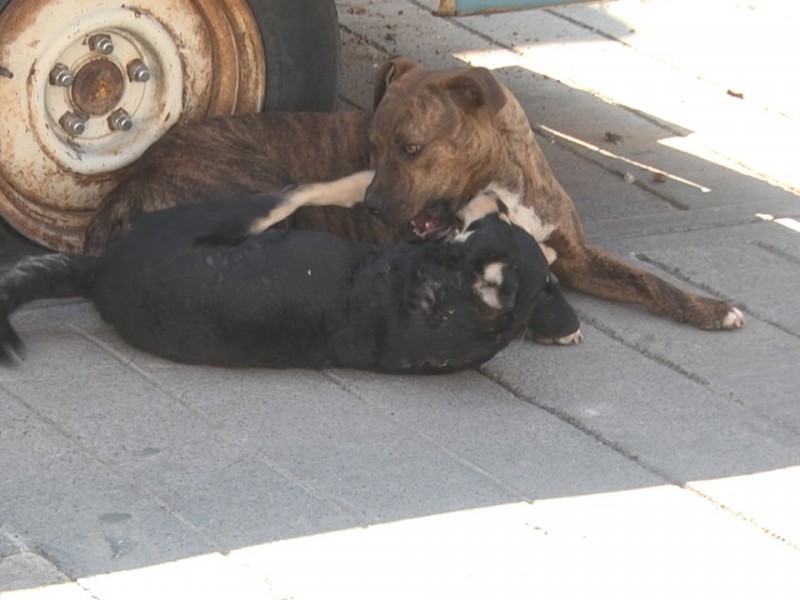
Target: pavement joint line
<point>220,430</point>
<point>578,23</point>
<point>365,39</point>
<point>517,52</point>
<point>582,427</point>
<point>727,395</point>
<point>634,458</point>
<point>461,25</point>
<point>646,352</point>
<point>114,470</point>
<point>573,148</point>
<point>20,547</point>
<point>743,517</point>
<point>341,383</point>
<point>709,290</point>
<point>665,230</point>
<point>628,161</point>
<point>677,273</point>
<point>674,131</point>
<point>351,103</point>
<point>769,248</point>
<point>611,37</point>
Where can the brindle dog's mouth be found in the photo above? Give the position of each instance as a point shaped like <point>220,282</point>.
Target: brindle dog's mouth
<point>435,220</point>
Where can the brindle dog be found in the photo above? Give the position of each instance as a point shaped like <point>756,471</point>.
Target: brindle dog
<point>436,139</point>
<point>442,136</point>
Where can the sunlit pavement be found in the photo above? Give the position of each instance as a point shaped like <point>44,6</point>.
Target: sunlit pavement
<point>651,461</point>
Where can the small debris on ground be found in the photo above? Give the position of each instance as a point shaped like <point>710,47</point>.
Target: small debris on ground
<point>357,9</point>
<point>613,138</point>
<point>659,177</point>
<point>629,178</point>
<point>735,94</point>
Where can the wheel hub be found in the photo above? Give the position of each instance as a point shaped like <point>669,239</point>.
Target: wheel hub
<point>98,87</point>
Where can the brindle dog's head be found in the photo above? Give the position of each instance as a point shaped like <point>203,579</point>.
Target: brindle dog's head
<point>435,143</point>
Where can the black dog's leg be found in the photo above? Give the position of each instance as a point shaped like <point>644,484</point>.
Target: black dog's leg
<point>230,232</point>
<point>235,221</point>
<point>345,192</point>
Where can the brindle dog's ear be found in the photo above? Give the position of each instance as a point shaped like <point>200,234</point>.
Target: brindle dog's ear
<point>477,88</point>
<point>390,72</point>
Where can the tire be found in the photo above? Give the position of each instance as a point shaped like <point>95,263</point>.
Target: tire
<point>300,75</point>
<point>66,140</point>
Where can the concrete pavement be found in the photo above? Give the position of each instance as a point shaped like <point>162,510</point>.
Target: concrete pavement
<point>651,461</point>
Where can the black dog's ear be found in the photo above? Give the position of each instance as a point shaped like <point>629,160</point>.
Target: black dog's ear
<point>390,71</point>
<point>477,88</point>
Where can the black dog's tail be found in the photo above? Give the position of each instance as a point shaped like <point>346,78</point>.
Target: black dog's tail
<point>35,278</point>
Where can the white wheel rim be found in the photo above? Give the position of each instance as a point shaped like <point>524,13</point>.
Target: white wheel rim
<point>204,58</point>
<point>154,106</point>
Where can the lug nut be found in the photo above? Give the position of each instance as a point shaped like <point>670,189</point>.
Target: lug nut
<point>138,71</point>
<point>101,43</point>
<point>120,120</point>
<point>72,123</point>
<point>61,75</point>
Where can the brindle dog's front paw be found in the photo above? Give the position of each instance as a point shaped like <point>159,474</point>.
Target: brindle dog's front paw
<point>733,320</point>
<point>712,314</point>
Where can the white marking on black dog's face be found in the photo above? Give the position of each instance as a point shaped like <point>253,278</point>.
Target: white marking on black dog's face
<point>487,285</point>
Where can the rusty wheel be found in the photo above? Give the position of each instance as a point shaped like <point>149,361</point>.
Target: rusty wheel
<point>87,85</point>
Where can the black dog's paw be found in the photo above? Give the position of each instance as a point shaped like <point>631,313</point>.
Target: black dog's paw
<point>424,294</point>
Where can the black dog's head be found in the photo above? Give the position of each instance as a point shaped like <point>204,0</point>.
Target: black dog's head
<point>511,273</point>
<point>474,294</point>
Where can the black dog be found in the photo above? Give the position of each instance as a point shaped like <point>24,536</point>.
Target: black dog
<point>302,298</point>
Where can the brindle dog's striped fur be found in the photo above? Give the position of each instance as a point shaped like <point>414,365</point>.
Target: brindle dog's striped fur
<point>227,156</point>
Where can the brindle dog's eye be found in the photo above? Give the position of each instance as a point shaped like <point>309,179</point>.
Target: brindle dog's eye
<point>411,149</point>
